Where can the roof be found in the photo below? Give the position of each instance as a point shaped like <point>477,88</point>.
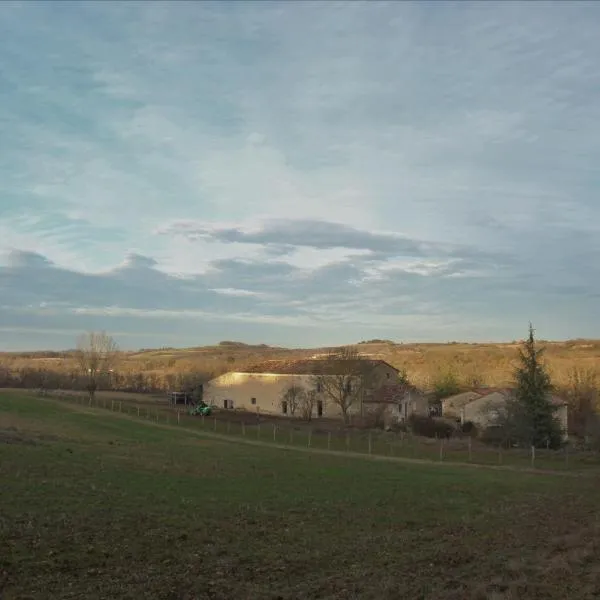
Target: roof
<point>315,366</point>
<point>459,401</point>
<point>390,393</point>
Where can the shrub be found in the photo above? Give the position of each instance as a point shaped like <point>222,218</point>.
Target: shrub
<point>375,418</point>
<point>446,385</point>
<point>430,427</point>
<point>495,436</point>
<point>469,428</point>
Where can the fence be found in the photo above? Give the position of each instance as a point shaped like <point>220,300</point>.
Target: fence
<point>294,433</point>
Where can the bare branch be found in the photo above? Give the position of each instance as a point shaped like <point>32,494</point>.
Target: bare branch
<point>343,378</point>
<point>293,397</point>
<point>97,354</point>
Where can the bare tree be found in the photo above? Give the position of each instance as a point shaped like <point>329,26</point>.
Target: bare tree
<point>97,354</point>
<point>582,394</point>
<point>307,405</point>
<point>292,398</point>
<point>343,378</point>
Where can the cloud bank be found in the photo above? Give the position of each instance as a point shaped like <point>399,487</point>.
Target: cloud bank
<point>183,173</point>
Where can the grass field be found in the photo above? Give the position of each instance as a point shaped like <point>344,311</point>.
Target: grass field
<point>96,504</point>
<point>331,434</point>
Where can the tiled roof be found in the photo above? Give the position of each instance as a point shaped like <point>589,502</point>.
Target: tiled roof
<point>314,366</point>
<point>390,393</point>
<point>464,398</point>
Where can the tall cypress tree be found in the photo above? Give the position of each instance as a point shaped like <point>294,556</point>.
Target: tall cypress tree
<point>533,397</point>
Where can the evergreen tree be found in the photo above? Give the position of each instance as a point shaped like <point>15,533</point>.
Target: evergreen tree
<point>535,412</point>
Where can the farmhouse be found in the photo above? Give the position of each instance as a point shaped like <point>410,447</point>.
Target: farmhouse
<point>484,406</point>
<point>265,387</point>
<point>400,401</point>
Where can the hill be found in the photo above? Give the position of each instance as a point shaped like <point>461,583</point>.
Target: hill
<point>482,363</point>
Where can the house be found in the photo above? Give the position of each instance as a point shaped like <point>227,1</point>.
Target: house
<point>262,388</point>
<point>484,406</point>
<point>402,400</point>
<point>453,405</point>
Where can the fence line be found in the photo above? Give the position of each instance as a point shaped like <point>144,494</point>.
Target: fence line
<point>360,441</point>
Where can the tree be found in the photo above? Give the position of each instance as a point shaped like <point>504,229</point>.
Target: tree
<point>307,404</point>
<point>343,378</point>
<point>531,413</point>
<point>583,398</point>
<point>293,397</point>
<point>446,384</point>
<point>97,354</point>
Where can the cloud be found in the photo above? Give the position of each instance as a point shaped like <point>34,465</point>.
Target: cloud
<point>410,160</point>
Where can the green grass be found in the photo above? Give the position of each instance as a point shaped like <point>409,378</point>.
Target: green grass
<point>98,505</point>
<point>296,433</point>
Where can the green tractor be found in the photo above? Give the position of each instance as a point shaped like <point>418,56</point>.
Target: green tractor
<point>200,409</point>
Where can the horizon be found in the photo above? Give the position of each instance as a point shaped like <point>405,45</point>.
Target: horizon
<point>234,343</point>
<point>177,174</point>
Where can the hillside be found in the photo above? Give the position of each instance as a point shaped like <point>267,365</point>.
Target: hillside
<point>491,364</point>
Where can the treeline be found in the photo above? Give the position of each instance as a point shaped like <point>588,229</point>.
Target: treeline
<point>126,381</point>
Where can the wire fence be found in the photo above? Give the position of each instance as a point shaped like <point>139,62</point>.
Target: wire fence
<point>318,436</point>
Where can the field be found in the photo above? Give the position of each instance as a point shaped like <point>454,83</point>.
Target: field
<point>333,435</point>
<point>99,504</point>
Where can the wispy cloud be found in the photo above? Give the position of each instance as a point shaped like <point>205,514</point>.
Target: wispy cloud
<point>428,169</point>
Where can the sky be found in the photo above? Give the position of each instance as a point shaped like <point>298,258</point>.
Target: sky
<point>298,173</point>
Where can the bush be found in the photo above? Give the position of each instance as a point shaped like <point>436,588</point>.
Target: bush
<point>430,427</point>
<point>446,385</point>
<point>375,418</point>
<point>495,436</point>
<point>469,428</point>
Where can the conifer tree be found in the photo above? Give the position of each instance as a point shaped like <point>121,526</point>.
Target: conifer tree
<point>535,412</point>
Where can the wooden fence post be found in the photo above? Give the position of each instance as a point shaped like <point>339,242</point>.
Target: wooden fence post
<point>274,432</point>
<point>258,431</point>
<point>156,415</point>
<point>567,454</point>
<point>309,437</point>
<point>532,456</point>
<point>178,417</point>
<point>138,410</point>
<point>441,448</point>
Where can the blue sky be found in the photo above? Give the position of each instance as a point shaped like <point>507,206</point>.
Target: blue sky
<point>298,173</point>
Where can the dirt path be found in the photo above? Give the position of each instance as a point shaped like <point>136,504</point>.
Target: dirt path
<point>340,453</point>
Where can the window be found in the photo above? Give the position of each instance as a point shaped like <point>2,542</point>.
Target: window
<point>387,375</point>
<point>253,400</point>
<point>227,403</point>
<point>348,387</point>
<point>319,408</point>
<point>284,407</point>
<point>319,387</point>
